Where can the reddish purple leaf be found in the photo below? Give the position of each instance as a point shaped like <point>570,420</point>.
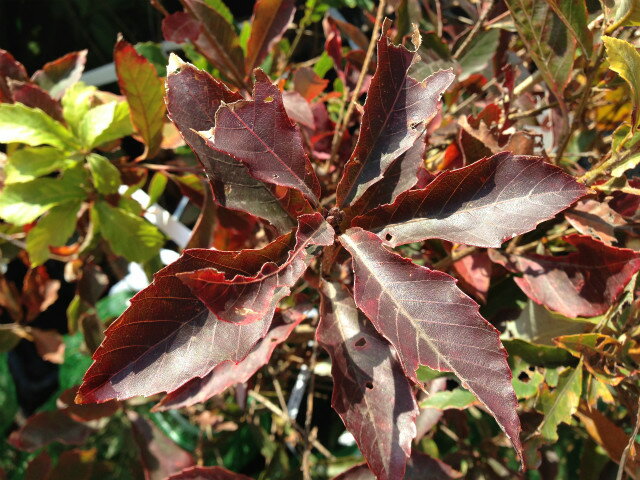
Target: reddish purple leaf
<point>167,336</point>
<point>405,301</point>
<point>85,413</point>
<point>180,27</point>
<point>419,467</point>
<point>270,20</point>
<point>584,283</point>
<point>160,456</point>
<point>308,84</point>
<point>370,391</point>
<point>44,428</point>
<point>395,115</point>
<point>38,468</point>
<point>35,97</point>
<point>10,68</point>
<point>474,272</point>
<point>259,133</point>
<point>217,41</point>
<point>483,204</point>
<point>55,77</point>
<point>227,374</point>
<point>75,464</point>
<point>64,425</point>
<point>596,219</point>
<point>193,97</point>
<point>401,176</point>
<point>208,473</point>
<point>298,109</point>
<point>244,298</point>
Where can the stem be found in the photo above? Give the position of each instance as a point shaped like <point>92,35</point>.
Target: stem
<point>474,31</point>
<point>454,257</point>
<point>158,6</point>
<point>308,435</point>
<point>304,22</point>
<point>284,416</point>
<point>337,138</point>
<point>632,440</point>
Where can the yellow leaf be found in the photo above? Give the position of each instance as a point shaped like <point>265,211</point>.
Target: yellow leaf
<point>624,59</point>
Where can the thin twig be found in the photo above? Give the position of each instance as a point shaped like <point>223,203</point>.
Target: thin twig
<point>454,257</point>
<point>304,21</point>
<point>632,441</point>
<point>158,6</point>
<point>308,437</point>
<point>337,138</point>
<point>474,32</point>
<point>584,101</point>
<point>439,25</point>
<point>535,111</point>
<point>283,415</point>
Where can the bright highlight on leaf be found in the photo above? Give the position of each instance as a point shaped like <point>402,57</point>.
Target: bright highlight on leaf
<point>624,59</point>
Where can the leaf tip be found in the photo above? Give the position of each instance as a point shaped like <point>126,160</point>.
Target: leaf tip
<point>174,64</point>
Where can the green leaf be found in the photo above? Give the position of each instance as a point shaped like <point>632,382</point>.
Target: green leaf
<point>114,305</point>
<point>53,229</point>
<point>220,7</point>
<point>152,52</point>
<point>31,162</point>
<point>129,235</point>
<point>8,397</point>
<point>540,355</point>
<point>479,53</point>
<point>559,404</point>
<point>526,387</point>
<point>574,15</point>
<point>105,123</point>
<point>323,65</point>
<point>75,362</point>
<point>426,374</point>
<point>19,123</point>
<point>458,398</point>
<point>106,177</point>
<point>156,187</point>
<point>76,102</point>
<point>22,203</point>
<point>538,325</point>
<point>624,59</point>
<point>547,40</point>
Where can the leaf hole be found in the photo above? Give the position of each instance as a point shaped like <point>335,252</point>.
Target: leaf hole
<point>361,342</point>
<point>388,237</point>
<point>369,385</point>
<point>523,377</point>
<point>268,99</point>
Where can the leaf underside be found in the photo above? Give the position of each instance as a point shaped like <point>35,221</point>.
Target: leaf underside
<point>584,283</point>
